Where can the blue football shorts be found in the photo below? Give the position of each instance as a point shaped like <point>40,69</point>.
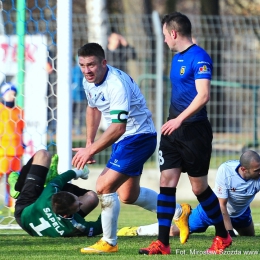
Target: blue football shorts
<point>199,221</point>
<point>242,221</point>
<point>129,155</point>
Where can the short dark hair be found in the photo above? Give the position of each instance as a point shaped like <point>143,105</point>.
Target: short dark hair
<point>62,202</point>
<point>247,157</point>
<point>92,49</point>
<point>178,22</point>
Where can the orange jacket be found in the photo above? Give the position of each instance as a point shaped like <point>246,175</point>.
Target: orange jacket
<point>11,131</point>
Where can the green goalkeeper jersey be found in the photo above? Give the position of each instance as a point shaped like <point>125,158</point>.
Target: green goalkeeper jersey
<point>38,219</point>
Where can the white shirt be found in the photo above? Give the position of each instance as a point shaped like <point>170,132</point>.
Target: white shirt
<point>240,192</point>
<point>119,93</point>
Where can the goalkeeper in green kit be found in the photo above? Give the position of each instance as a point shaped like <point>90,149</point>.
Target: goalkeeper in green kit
<point>57,210</point>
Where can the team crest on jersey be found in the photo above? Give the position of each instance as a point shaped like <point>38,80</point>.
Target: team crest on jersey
<point>182,71</point>
<point>233,189</point>
<point>99,96</point>
<point>204,70</point>
<point>102,96</point>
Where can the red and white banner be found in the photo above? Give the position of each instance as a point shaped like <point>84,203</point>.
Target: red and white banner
<point>35,86</point>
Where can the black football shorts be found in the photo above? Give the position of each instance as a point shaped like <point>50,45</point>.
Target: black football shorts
<point>188,147</point>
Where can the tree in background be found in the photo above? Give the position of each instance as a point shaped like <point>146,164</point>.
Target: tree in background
<point>209,7</point>
<point>227,7</point>
<point>97,21</point>
<point>134,25</point>
<point>240,7</point>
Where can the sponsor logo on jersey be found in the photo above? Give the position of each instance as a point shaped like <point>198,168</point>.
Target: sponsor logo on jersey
<point>204,70</point>
<point>182,71</point>
<point>203,62</point>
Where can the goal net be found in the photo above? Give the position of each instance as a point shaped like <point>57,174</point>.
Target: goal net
<point>28,64</point>
<point>30,60</point>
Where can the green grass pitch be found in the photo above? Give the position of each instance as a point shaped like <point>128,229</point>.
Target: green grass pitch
<point>17,244</point>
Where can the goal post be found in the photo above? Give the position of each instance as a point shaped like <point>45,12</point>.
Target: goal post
<point>43,82</point>
<point>64,90</point>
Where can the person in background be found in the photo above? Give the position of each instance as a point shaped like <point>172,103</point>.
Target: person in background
<point>119,51</point>
<point>11,136</point>
<point>79,100</point>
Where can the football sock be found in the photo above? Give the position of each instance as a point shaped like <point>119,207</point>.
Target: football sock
<point>23,174</point>
<point>210,204</point>
<point>178,211</point>
<point>110,206</point>
<point>152,229</point>
<point>148,230</point>
<point>165,211</point>
<point>147,199</point>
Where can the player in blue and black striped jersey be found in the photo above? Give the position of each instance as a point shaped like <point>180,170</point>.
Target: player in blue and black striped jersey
<point>186,138</point>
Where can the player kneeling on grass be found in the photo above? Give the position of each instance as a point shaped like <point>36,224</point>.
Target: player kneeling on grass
<point>236,184</point>
<point>57,210</point>
<point>196,222</point>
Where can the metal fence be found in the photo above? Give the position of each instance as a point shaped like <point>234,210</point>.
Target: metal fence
<point>234,45</point>
<point>233,42</point>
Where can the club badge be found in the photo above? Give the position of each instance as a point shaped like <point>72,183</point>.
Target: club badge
<point>182,71</point>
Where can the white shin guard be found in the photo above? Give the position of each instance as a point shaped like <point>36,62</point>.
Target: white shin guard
<point>110,206</point>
